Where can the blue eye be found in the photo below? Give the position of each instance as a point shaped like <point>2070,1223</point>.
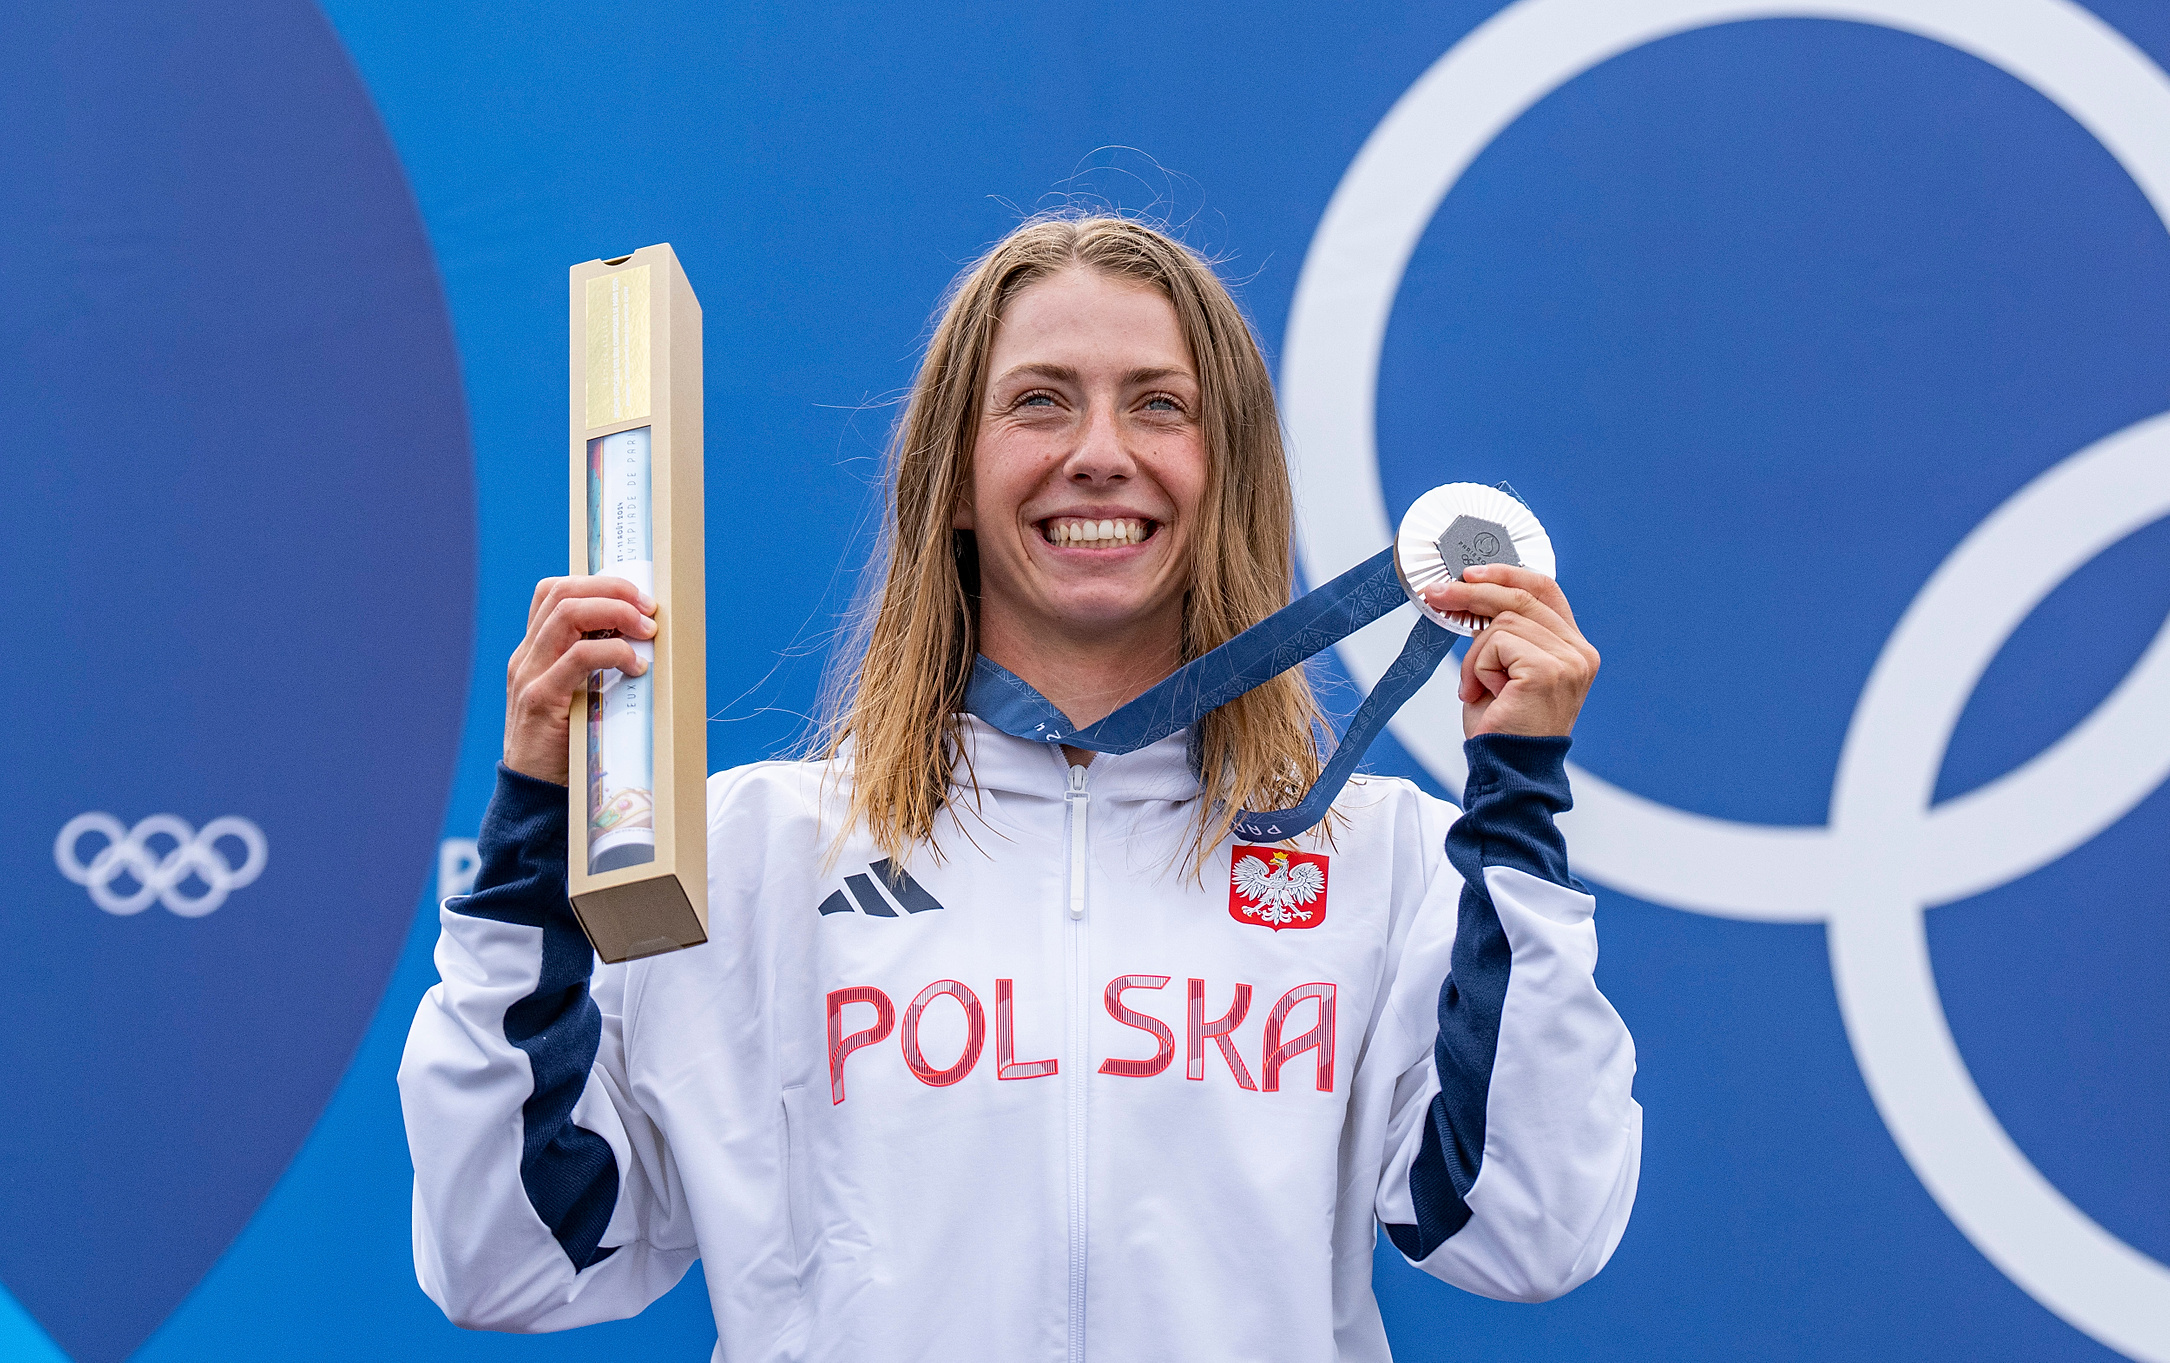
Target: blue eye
<point>1036,400</point>
<point>1161,404</point>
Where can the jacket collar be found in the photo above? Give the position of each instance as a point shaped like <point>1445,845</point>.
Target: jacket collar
<point>1006,765</point>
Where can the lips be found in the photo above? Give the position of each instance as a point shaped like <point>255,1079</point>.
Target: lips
<point>1085,532</point>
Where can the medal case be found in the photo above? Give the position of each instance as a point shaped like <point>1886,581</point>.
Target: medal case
<point>637,866</point>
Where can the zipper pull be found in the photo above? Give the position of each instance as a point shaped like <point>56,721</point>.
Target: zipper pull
<point>1079,802</point>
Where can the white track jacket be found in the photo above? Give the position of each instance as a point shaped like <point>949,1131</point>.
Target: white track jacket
<point>1047,1096</point>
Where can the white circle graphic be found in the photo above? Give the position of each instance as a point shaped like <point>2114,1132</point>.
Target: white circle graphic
<point>1886,854</point>
<point>127,851</point>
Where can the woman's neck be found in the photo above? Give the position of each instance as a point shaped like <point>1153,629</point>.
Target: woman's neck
<point>1088,678</point>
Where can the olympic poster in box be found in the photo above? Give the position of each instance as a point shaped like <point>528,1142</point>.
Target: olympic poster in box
<point>638,856</point>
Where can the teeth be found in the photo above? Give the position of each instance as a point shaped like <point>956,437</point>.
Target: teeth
<point>1096,533</point>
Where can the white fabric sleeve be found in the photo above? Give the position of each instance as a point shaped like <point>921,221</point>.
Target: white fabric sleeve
<point>544,1198</point>
<point>1515,1141</point>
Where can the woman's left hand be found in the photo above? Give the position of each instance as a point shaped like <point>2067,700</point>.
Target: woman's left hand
<point>1528,671</point>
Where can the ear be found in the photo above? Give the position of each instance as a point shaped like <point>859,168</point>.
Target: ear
<point>960,513</point>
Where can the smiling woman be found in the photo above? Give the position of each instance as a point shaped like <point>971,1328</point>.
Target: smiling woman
<point>1090,491</point>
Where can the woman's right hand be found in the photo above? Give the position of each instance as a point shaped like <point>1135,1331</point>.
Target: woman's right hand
<point>557,655</point>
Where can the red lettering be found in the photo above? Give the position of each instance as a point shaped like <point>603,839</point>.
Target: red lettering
<point>1007,1065</point>
<point>885,1017</point>
<point>1278,1049</point>
<point>975,1034</point>
<point>1320,1038</point>
<point>1194,1054</point>
<point>1138,1069</point>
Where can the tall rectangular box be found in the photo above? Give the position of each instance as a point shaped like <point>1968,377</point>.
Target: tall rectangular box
<point>638,864</point>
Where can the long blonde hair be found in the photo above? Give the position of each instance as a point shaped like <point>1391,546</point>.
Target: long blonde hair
<point>898,707</point>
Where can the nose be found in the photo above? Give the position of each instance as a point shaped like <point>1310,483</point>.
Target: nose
<point>1100,458</point>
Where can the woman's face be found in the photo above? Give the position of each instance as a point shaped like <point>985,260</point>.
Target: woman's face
<point>1090,465</point>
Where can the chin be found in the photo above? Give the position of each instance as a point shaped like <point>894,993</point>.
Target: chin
<point>1101,611</point>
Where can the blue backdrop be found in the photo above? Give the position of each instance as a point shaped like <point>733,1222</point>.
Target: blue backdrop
<point>1765,319</point>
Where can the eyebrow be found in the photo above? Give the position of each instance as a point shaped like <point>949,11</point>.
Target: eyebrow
<point>1063,373</point>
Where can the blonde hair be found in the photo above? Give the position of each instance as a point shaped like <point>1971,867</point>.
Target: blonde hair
<point>898,708</point>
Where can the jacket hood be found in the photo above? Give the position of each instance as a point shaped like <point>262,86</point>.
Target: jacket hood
<point>1017,766</point>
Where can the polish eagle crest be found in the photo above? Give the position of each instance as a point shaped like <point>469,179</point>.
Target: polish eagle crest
<point>1277,888</point>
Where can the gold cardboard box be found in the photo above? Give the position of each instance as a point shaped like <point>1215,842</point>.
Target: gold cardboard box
<point>638,864</point>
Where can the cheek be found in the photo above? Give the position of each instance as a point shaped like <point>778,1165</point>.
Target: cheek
<point>979,501</point>
<point>1185,477</point>
<point>1005,473</point>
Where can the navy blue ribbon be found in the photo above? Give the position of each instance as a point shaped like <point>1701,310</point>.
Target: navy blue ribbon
<point>1314,621</point>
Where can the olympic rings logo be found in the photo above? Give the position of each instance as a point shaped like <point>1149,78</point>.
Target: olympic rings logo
<point>1887,853</point>
<point>160,875</point>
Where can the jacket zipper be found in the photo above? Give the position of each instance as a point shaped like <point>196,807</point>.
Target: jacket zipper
<point>1077,805</point>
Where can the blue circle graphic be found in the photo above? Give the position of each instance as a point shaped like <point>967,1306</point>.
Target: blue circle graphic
<point>242,516</point>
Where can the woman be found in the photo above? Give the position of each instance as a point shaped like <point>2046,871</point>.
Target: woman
<point>920,1096</point>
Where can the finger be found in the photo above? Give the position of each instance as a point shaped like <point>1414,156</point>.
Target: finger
<point>539,647</point>
<point>577,617</point>
<point>1570,653</point>
<point>1541,629</point>
<point>1562,636</point>
<point>545,700</point>
<point>1560,632</point>
<point>1493,667</point>
<point>587,657</point>
<point>1485,670</point>
<point>1545,589</point>
<point>1518,651</point>
<point>545,596</point>
<point>570,620</point>
<point>1487,666</point>
<point>1470,690</point>
<point>550,692</point>
<point>1540,587</point>
<point>552,590</point>
<point>1491,599</point>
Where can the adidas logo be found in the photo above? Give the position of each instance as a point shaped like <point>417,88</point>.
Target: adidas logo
<point>902,889</point>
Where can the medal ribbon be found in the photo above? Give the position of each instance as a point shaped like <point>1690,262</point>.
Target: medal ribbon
<point>1284,639</point>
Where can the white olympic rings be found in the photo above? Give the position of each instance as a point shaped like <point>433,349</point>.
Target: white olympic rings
<point>1886,853</point>
<point>160,876</point>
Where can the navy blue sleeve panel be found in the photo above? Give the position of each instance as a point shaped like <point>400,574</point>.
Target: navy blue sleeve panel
<point>1516,786</point>
<point>569,1172</point>
<point>520,853</point>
